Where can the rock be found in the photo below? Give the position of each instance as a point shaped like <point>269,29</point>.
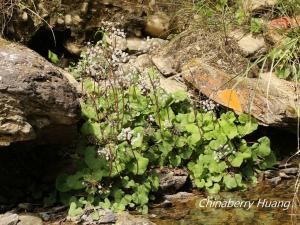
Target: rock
<point>106,216</point>
<point>171,85</point>
<point>269,173</point>
<point>137,45</point>
<point>253,5</point>
<point>166,204</point>
<point>77,20</point>
<point>273,101</point>
<point>68,19</point>
<point>179,196</point>
<point>45,216</point>
<point>283,175</point>
<point>144,46</point>
<point>249,44</point>
<point>118,43</point>
<point>9,219</point>
<point>73,48</point>
<point>141,64</point>
<point>165,65</point>
<point>291,171</point>
<point>170,182</point>
<point>84,8</point>
<point>126,219</point>
<point>276,27</point>
<point>158,25</point>
<point>60,21</point>
<point>275,181</point>
<point>25,206</point>
<point>36,98</point>
<point>29,220</point>
<point>25,16</point>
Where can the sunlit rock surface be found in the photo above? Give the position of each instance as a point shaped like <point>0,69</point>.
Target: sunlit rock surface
<point>35,96</point>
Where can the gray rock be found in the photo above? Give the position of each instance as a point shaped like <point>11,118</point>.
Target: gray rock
<point>141,63</point>
<point>253,5</point>
<point>166,204</point>
<point>106,216</point>
<point>291,171</point>
<point>165,65</point>
<point>179,196</point>
<point>126,219</point>
<point>249,44</point>
<point>275,181</point>
<point>29,220</point>
<point>9,219</point>
<point>45,216</point>
<point>144,46</point>
<point>68,19</point>
<point>137,45</point>
<point>171,183</point>
<point>84,8</point>
<point>171,85</point>
<point>158,25</point>
<point>34,95</point>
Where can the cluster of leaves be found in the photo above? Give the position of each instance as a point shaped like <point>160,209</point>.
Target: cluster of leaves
<point>130,130</point>
<point>226,160</point>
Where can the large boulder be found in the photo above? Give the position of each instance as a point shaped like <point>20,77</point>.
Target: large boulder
<point>36,98</point>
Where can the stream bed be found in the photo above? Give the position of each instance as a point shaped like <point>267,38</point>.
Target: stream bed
<point>189,212</point>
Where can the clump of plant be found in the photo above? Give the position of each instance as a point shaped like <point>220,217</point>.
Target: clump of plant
<point>226,160</point>
<point>133,127</point>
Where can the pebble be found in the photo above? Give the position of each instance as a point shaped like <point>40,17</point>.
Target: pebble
<point>25,16</point>
<point>60,21</point>
<point>68,19</point>
<point>84,8</point>
<point>275,181</point>
<point>25,206</point>
<point>77,19</point>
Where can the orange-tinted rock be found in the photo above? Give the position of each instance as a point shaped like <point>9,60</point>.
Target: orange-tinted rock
<point>283,22</point>
<point>277,28</point>
<point>270,100</point>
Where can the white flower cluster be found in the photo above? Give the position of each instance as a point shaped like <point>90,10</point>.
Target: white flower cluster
<point>222,152</point>
<point>93,62</point>
<point>151,118</point>
<point>143,86</point>
<point>117,32</point>
<point>208,105</point>
<point>104,152</point>
<point>118,56</point>
<point>126,134</point>
<point>115,35</point>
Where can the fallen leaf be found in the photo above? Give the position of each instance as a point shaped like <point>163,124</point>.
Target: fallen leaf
<point>230,99</point>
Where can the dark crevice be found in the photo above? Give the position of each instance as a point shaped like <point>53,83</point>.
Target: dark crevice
<point>43,41</point>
